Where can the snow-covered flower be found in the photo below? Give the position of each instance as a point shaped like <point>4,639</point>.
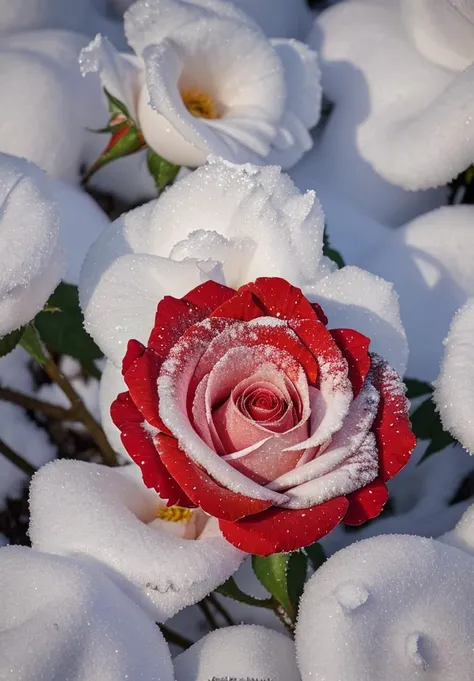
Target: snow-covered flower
<point>429,261</point>
<point>63,618</point>
<point>229,224</point>
<point>205,80</point>
<point>175,557</point>
<point>400,72</point>
<point>32,261</point>
<point>413,597</point>
<point>454,386</point>
<point>48,109</point>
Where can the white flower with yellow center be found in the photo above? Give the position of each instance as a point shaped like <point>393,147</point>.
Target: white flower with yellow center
<point>205,80</point>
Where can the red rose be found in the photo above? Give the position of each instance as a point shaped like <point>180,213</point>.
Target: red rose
<point>246,405</point>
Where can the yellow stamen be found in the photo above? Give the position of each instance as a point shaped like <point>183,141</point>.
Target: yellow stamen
<point>175,514</point>
<point>200,104</point>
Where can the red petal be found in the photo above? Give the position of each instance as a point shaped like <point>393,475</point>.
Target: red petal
<point>214,499</point>
<point>280,530</point>
<point>141,379</point>
<point>280,299</point>
<point>174,315</point>
<point>320,313</point>
<point>139,445</point>
<point>242,307</point>
<point>135,349</point>
<point>123,411</point>
<point>392,428</point>
<point>366,503</point>
<point>355,349</point>
<point>209,295</point>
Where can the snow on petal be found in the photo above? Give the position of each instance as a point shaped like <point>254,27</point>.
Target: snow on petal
<point>111,385</point>
<point>454,395</point>
<point>241,652</point>
<point>64,618</point>
<point>108,515</point>
<point>54,130</point>
<point>31,258</point>
<point>352,298</point>
<point>429,262</point>
<point>411,595</point>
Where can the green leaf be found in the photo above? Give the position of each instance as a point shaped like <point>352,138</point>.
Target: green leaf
<point>296,577</point>
<point>426,424</point>
<point>316,555</point>
<point>10,341</point>
<point>272,574</point>
<point>116,107</point>
<point>163,172</point>
<point>31,343</point>
<point>63,331</point>
<point>330,252</point>
<point>416,388</point>
<point>231,590</point>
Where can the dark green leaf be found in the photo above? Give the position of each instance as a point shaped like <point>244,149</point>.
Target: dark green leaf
<point>330,252</point>
<point>296,577</point>
<point>163,172</point>
<point>271,572</point>
<point>416,388</point>
<point>316,555</point>
<point>231,590</point>
<point>10,341</point>
<point>63,331</point>
<point>31,343</point>
<point>426,425</point>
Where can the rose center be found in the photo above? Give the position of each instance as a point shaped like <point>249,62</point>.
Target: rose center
<point>200,104</point>
<point>262,404</point>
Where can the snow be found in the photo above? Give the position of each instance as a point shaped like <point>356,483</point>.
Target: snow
<point>454,392</point>
<point>241,652</point>
<point>63,619</point>
<point>85,509</point>
<point>386,113</point>
<point>429,262</point>
<point>31,258</point>
<point>403,609</point>
<point>48,109</point>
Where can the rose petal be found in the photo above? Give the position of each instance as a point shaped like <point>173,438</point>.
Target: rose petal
<point>355,349</point>
<point>395,439</point>
<point>280,530</point>
<point>205,492</point>
<point>355,472</point>
<point>175,315</point>
<point>343,445</point>
<point>280,299</point>
<point>142,381</point>
<point>366,503</point>
<point>334,383</point>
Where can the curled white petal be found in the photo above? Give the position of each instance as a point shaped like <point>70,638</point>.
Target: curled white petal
<point>63,618</point>
<point>454,395</point>
<point>430,265</point>
<point>90,510</point>
<point>31,258</point>
<point>242,652</point>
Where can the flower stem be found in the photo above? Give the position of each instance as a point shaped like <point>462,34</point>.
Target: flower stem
<point>220,609</point>
<point>80,411</point>
<point>173,637</point>
<point>16,459</point>
<point>208,615</point>
<point>33,404</point>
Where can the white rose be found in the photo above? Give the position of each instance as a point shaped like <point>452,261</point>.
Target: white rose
<point>205,80</point>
